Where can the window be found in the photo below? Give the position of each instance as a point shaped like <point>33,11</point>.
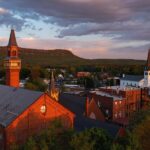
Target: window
<point>120,114</point>
<point>107,111</point>
<point>99,104</point>
<point>146,73</point>
<point>43,109</point>
<point>115,115</point>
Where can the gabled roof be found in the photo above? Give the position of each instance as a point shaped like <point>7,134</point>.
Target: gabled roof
<point>76,104</point>
<point>82,123</point>
<point>12,39</point>
<point>73,102</point>
<point>13,101</point>
<point>132,78</point>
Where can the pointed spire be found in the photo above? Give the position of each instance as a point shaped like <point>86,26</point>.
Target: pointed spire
<point>148,60</point>
<point>53,91</point>
<point>12,39</point>
<point>52,81</point>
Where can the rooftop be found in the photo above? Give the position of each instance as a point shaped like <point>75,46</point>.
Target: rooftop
<point>12,39</point>
<point>101,93</point>
<point>121,88</point>
<point>132,78</point>
<point>13,101</point>
<point>76,104</point>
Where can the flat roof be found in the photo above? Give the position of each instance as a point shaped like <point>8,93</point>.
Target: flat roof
<point>121,88</point>
<point>101,93</point>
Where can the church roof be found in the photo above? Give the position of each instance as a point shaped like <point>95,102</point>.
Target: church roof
<point>12,39</point>
<point>76,104</point>
<point>132,78</point>
<point>13,101</point>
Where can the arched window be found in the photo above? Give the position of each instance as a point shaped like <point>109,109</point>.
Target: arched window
<point>14,53</point>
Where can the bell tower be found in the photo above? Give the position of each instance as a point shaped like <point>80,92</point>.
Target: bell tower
<point>147,72</point>
<point>12,63</point>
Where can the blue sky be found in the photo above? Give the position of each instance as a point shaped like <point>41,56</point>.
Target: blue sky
<point>89,28</point>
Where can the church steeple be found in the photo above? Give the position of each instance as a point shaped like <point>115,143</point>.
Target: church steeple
<point>12,45</point>
<point>52,86</point>
<point>148,60</point>
<point>147,71</point>
<point>12,62</point>
<point>12,39</point>
<point>53,91</point>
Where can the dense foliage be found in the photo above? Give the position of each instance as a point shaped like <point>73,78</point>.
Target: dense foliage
<point>56,137</point>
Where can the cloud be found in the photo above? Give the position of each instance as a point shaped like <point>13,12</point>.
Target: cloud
<point>8,19</point>
<point>118,20</point>
<point>3,11</point>
<point>90,49</point>
<point>84,17</point>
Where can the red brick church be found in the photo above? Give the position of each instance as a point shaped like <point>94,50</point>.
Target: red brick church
<point>24,112</point>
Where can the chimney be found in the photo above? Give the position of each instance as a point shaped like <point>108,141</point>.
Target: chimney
<point>123,75</point>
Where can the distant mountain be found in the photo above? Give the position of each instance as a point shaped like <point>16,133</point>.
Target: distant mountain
<point>61,57</point>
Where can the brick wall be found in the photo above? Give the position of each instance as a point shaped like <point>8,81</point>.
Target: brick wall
<point>32,120</point>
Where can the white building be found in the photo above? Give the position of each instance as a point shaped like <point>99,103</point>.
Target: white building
<point>131,80</point>
<point>138,81</point>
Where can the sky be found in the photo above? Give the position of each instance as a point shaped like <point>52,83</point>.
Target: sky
<point>88,28</point>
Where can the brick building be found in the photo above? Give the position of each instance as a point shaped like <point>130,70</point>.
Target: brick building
<point>25,112</point>
<point>115,104</point>
<point>83,74</point>
<point>76,104</point>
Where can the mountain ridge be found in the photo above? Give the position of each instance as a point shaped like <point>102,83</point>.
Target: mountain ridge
<point>62,57</point>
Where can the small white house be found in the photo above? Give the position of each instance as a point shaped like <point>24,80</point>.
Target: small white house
<point>138,81</point>
<point>132,80</point>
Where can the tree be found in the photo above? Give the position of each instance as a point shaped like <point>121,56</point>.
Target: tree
<point>25,72</point>
<point>139,131</point>
<point>30,144</point>
<point>138,117</point>
<point>36,84</point>
<point>142,133</point>
<point>92,139</point>
<point>30,86</point>
<point>54,137</point>
<point>35,73</point>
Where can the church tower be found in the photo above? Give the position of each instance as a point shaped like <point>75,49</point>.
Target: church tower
<point>53,91</point>
<point>147,72</point>
<point>12,63</point>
